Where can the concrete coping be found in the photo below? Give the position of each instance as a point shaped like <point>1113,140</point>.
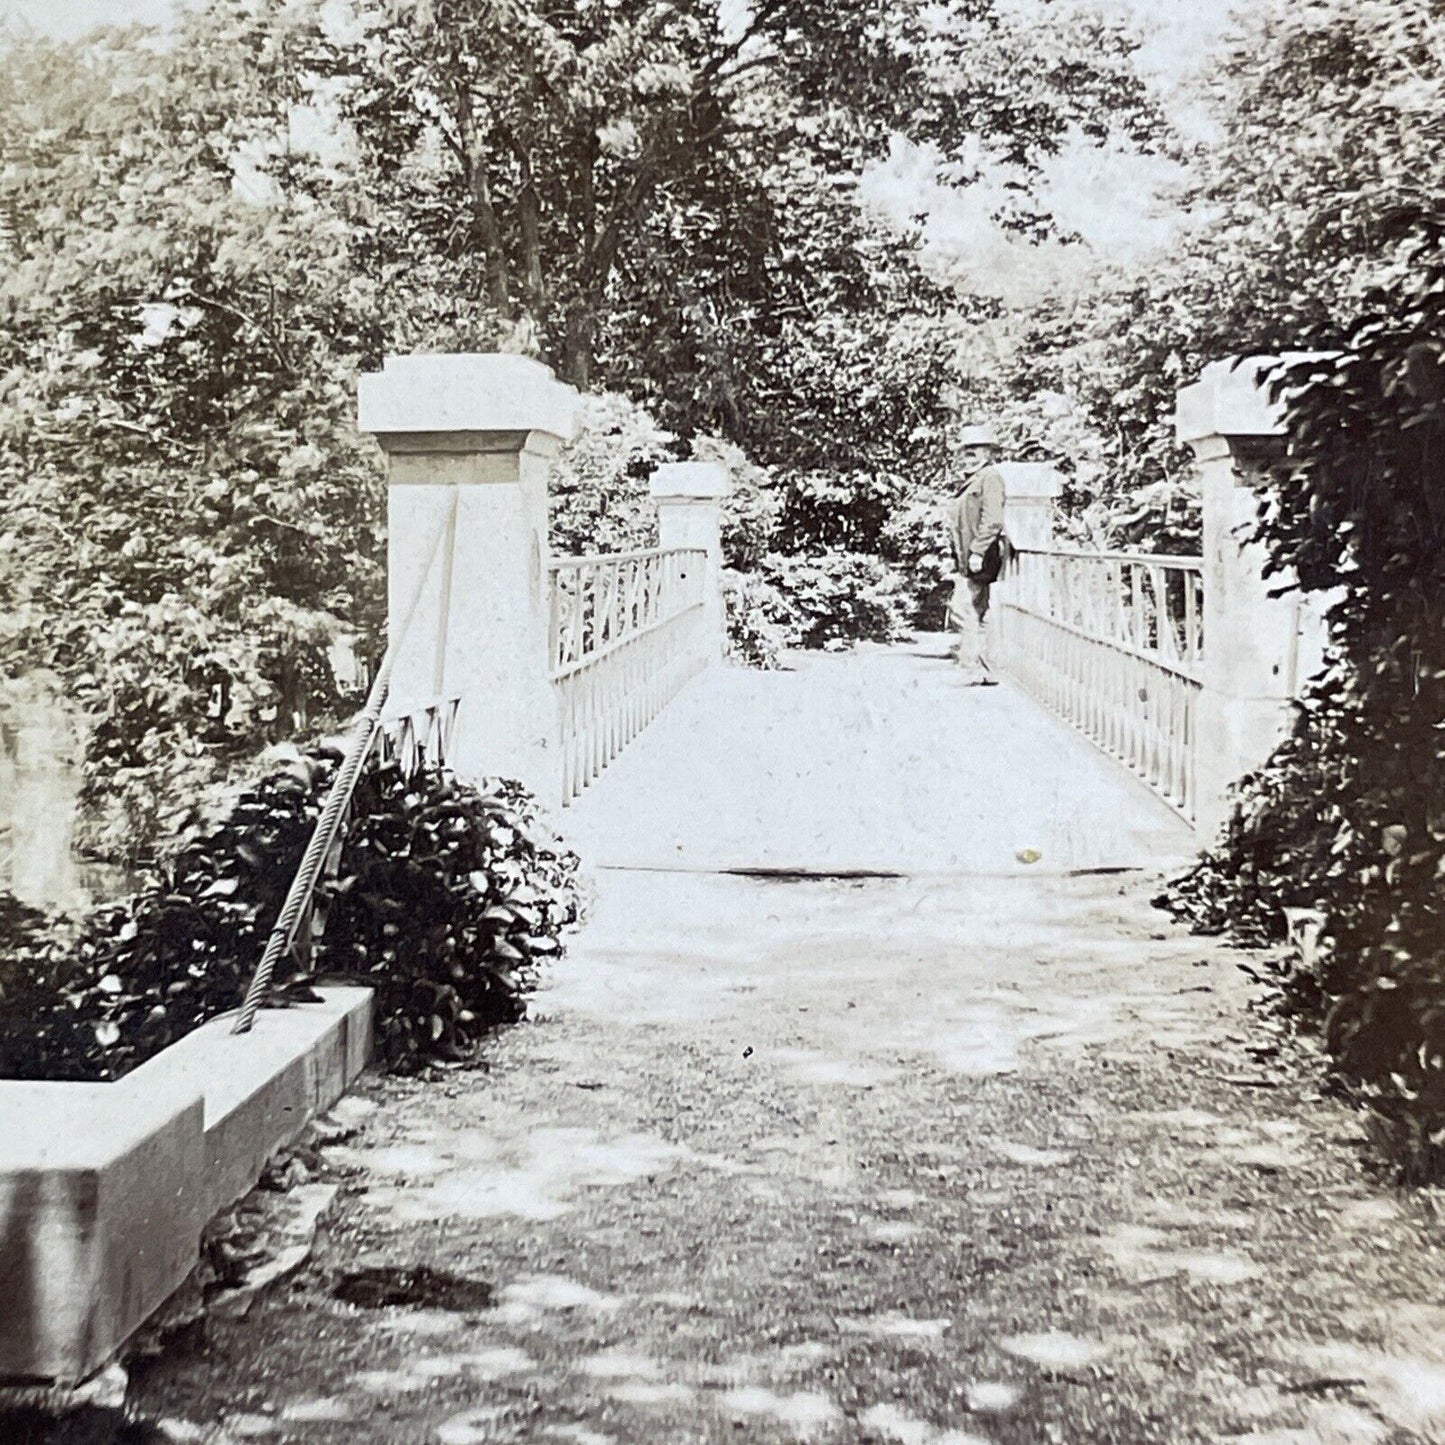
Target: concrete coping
<point>228,1070</point>
<point>66,1126</point>
<point>465,392</point>
<point>105,1188</point>
<point>690,481</point>
<point>1030,481</point>
<point>1231,400</point>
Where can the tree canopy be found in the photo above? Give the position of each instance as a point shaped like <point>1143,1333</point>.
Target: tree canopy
<point>189,519</point>
<point>1323,140</point>
<point>1342,241</point>
<point>663,197</point>
<point>206,235</point>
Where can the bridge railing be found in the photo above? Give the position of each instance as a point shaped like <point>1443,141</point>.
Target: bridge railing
<point>627,632</point>
<point>1114,643</point>
<point>559,660</point>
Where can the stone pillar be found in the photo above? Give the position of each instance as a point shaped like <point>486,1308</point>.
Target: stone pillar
<point>470,441</point>
<point>1256,647</point>
<point>689,497</point>
<point>1031,493</point>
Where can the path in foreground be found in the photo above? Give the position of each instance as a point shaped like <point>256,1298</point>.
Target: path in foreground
<point>929,1161</point>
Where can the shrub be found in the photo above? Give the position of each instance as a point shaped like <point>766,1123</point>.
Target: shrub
<point>1349,814</point>
<point>761,622</point>
<point>915,542</point>
<point>444,898</point>
<point>598,493</point>
<point>833,511</point>
<point>449,899</point>
<point>880,514</point>
<point>839,598</point>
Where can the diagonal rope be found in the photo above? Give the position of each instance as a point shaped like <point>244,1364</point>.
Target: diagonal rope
<point>338,799</point>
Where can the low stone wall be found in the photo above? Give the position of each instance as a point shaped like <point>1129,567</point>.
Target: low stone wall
<point>105,1188</point>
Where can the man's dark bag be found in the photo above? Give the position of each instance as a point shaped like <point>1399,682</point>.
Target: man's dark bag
<point>996,558</point>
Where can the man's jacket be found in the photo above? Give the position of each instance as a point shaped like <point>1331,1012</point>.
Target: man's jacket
<point>975,517</point>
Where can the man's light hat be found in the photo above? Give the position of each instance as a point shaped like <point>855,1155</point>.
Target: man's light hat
<point>978,436</point>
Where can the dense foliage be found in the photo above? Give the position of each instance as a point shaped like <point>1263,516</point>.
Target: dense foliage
<point>836,598</point>
<point>761,625</point>
<point>666,189</point>
<point>190,522</point>
<point>444,901</point>
<point>1322,125</point>
<point>1348,817</point>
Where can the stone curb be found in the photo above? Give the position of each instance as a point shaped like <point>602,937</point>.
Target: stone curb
<point>105,1188</point>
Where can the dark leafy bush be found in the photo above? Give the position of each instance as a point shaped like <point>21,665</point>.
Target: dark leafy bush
<point>444,899</point>
<point>1349,815</point>
<point>598,495</point>
<point>915,543</point>
<point>21,926</point>
<point>838,598</point>
<point>877,513</point>
<point>449,899</point>
<point>828,511</point>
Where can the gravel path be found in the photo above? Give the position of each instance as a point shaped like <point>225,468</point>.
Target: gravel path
<point>929,1161</point>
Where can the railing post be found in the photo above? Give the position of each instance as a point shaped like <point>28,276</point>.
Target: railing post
<point>689,497</point>
<point>469,441</point>
<point>1259,650</point>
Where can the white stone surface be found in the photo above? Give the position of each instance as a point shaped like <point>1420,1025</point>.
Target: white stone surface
<point>261,1088</point>
<point>871,760</point>
<point>689,497</point>
<point>465,392</point>
<point>1228,400</point>
<point>1260,650</point>
<point>1031,481</point>
<point>104,1188</point>
<point>691,479</point>
<point>1031,492</point>
<point>467,552</point>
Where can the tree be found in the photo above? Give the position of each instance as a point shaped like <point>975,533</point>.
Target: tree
<point>1326,135</point>
<point>636,187</point>
<point>190,521</point>
<point>1342,122</point>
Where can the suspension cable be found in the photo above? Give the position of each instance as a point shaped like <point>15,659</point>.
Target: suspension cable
<point>338,798</point>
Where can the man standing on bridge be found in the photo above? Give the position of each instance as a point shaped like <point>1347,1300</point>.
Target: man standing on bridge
<point>975,533</point>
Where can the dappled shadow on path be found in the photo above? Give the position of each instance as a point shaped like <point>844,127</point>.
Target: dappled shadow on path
<point>942,1161</point>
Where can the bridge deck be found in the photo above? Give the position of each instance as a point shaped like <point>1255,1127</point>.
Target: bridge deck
<point>874,760</point>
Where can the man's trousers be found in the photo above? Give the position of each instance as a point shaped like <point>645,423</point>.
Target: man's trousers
<point>968,616</point>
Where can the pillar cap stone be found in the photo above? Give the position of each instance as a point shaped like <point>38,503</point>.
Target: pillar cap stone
<point>692,481</point>
<point>1230,400</point>
<point>1030,481</point>
<point>465,392</point>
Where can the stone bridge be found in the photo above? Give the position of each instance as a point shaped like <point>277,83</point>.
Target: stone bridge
<point>1182,668</point>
